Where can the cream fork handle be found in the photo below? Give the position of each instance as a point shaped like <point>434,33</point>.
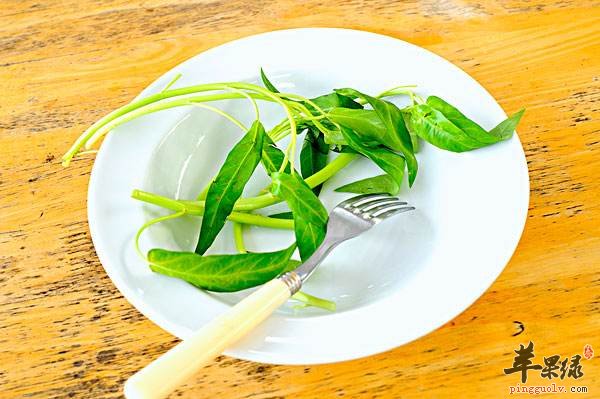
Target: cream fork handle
<point>173,368</point>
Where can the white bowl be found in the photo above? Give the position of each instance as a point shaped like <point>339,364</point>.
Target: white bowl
<point>392,285</point>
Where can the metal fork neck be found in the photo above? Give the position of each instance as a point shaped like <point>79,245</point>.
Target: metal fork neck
<point>304,271</point>
<point>308,267</point>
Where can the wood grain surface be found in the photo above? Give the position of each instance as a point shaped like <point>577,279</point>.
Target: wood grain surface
<point>65,331</point>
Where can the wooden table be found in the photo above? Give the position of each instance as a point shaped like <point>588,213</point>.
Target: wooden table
<point>65,331</point>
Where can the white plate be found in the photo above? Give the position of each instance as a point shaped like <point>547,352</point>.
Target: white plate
<point>396,283</point>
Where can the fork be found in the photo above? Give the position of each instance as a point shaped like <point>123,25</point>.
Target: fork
<point>347,220</point>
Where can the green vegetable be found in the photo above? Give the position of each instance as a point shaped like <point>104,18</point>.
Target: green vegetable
<point>433,126</point>
<point>267,82</point>
<point>397,137</point>
<point>272,156</point>
<point>282,215</point>
<point>313,156</point>
<point>318,104</point>
<point>444,126</point>
<point>325,102</point>
<point>238,237</point>
<point>414,137</point>
<point>222,273</point>
<point>470,128</point>
<point>306,299</point>
<point>310,300</point>
<point>310,216</point>
<point>227,187</point>
<point>372,185</point>
<point>504,130</point>
<point>334,100</point>
<point>388,161</point>
<point>335,121</point>
<point>196,208</point>
<point>364,122</point>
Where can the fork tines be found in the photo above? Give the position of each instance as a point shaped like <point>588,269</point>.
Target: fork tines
<point>376,207</point>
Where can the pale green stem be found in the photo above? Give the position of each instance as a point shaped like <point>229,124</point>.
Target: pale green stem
<point>223,114</point>
<point>340,162</point>
<point>397,90</point>
<point>316,122</point>
<point>159,106</point>
<point>184,91</point>
<point>89,132</point>
<point>280,135</point>
<point>171,83</point>
<point>259,93</point>
<point>311,300</point>
<point>238,237</point>
<point>283,125</point>
<point>247,204</point>
<point>306,100</point>
<point>150,223</point>
<point>265,92</point>
<point>252,102</point>
<point>259,220</point>
<point>196,208</point>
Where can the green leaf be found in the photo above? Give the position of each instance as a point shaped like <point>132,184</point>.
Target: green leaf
<point>267,82</point>
<point>327,102</point>
<point>504,130</point>
<point>334,138</point>
<point>272,157</point>
<point>397,138</point>
<point>365,122</point>
<point>444,126</point>
<point>310,216</point>
<point>433,126</point>
<point>313,156</point>
<point>282,215</point>
<point>222,273</point>
<point>390,162</point>
<point>414,137</point>
<point>372,185</point>
<point>333,100</point>
<point>227,187</point>
<point>470,128</point>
